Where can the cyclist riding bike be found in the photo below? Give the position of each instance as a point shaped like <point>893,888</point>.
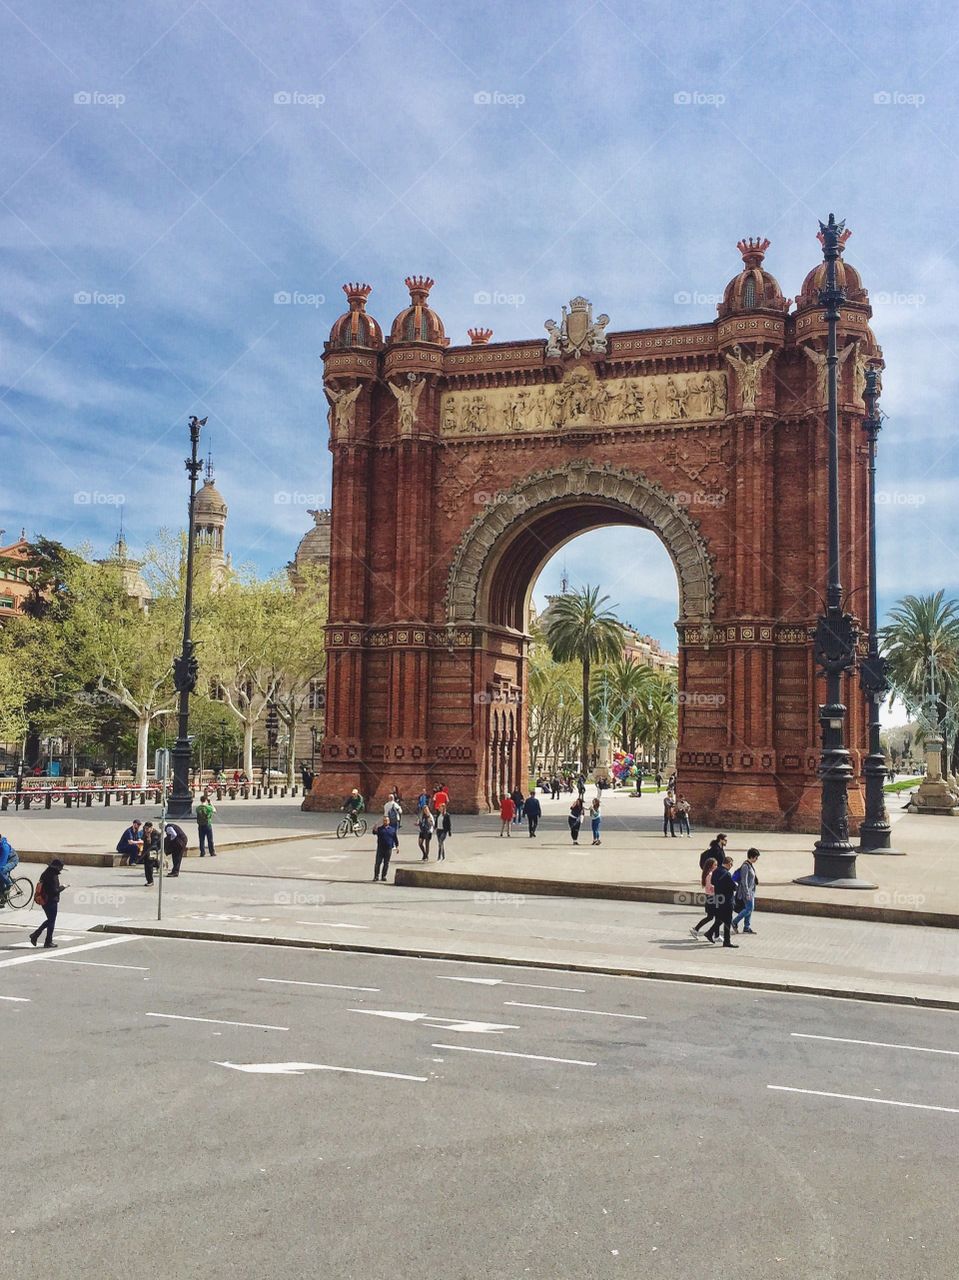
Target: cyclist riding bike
<point>8,860</point>
<point>354,806</point>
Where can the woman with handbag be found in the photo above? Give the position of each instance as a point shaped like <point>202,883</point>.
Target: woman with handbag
<point>426,827</point>
<point>576,818</point>
<point>707,882</point>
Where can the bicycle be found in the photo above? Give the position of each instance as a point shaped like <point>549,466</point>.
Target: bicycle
<point>19,894</point>
<point>351,825</point>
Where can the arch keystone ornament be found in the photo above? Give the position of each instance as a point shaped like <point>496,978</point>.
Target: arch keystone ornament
<point>711,435</point>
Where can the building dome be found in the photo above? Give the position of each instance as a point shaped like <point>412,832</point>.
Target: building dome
<point>847,278</point>
<point>419,322</point>
<point>209,501</point>
<point>753,289</point>
<point>355,328</point>
<point>314,546</point>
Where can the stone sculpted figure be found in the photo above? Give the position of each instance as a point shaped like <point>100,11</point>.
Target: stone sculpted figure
<point>708,392</point>
<point>553,342</point>
<point>722,393</point>
<point>819,359</point>
<point>750,371</point>
<point>450,416</point>
<point>407,398</point>
<point>652,399</point>
<point>633,402</point>
<point>597,335</point>
<point>859,374</point>
<point>342,415</point>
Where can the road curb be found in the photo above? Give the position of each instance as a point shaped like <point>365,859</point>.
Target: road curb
<point>80,858</point>
<point>615,971</point>
<point>417,879</point>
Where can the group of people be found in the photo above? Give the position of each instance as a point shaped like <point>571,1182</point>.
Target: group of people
<point>514,807</point>
<point>730,895</point>
<point>45,895</point>
<point>432,819</point>
<point>676,810</point>
<point>141,843</point>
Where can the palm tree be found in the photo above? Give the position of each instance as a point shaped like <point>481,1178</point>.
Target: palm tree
<point>580,629</point>
<point>921,636</point>
<point>629,681</point>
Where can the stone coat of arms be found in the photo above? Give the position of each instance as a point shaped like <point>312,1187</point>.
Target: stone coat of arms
<point>579,332</point>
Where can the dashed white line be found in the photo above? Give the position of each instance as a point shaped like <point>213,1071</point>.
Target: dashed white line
<point>559,1008</point>
<point>500,982</point>
<point>876,1044</point>
<point>98,964</point>
<point>503,1053</point>
<point>17,999</point>
<point>326,924</point>
<point>853,1097</point>
<point>335,986</point>
<point>221,1022</point>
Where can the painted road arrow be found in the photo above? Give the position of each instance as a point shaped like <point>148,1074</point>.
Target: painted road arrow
<point>445,1024</point>
<point>299,1068</point>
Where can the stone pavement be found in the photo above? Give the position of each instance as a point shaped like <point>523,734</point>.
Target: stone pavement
<point>633,853</point>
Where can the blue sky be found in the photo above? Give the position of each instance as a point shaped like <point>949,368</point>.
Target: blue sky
<point>152,162</point>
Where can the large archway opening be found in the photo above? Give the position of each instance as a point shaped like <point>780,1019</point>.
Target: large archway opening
<point>503,555</point>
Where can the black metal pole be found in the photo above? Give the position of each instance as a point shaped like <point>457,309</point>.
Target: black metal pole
<point>835,636</point>
<point>875,833</point>
<point>184,667</point>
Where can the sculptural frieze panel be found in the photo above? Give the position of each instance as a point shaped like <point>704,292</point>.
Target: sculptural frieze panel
<point>583,400</point>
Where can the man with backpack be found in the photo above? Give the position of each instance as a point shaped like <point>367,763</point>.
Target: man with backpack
<point>8,860</point>
<point>745,900</point>
<point>204,824</point>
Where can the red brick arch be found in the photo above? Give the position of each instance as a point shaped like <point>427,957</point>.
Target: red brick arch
<point>458,470</point>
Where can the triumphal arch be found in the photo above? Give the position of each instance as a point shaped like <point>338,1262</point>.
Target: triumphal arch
<point>459,470</point>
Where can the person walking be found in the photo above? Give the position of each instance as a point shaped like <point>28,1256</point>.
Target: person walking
<point>422,801</point>
<point>554,787</point>
<point>175,844</point>
<point>440,796</point>
<point>724,889</point>
<point>533,811</point>
<point>595,818</point>
<point>444,828</point>
<point>659,782</point>
<point>746,883</point>
<point>576,818</point>
<point>669,814</point>
<point>716,849</point>
<point>706,880</point>
<point>581,785</point>
<point>386,842</point>
<point>392,811</point>
<point>426,826</point>
<point>47,895</point>
<point>204,823</point>
<point>516,795</point>
<point>682,813</point>
<point>151,850</point>
<point>507,812</point>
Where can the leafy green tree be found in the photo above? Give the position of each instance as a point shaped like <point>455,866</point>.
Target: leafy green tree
<point>299,651</point>
<point>922,638</point>
<point>554,707</point>
<point>579,629</point>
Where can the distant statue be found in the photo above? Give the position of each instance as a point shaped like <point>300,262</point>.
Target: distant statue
<point>553,342</point>
<point>407,398</point>
<point>343,408</point>
<point>820,360</point>
<point>597,335</point>
<point>749,371</point>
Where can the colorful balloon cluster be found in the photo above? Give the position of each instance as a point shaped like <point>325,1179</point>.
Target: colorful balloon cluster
<point>624,765</point>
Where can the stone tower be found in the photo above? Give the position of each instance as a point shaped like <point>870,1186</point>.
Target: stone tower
<point>210,512</point>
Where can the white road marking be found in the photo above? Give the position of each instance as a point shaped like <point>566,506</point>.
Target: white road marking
<point>329,857</point>
<point>876,1044</point>
<point>503,1053</point>
<point>17,999</point>
<point>99,964</point>
<point>221,1022</point>
<point>500,982</point>
<point>325,924</point>
<point>853,1097</point>
<point>298,1068</point>
<point>336,986</point>
<point>443,1024</point>
<point>599,1013</point>
<point>40,953</point>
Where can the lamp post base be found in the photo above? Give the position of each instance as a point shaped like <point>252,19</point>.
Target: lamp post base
<point>878,840</point>
<point>834,867</point>
<point>180,803</point>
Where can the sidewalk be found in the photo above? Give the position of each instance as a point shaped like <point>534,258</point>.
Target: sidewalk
<point>634,852</point>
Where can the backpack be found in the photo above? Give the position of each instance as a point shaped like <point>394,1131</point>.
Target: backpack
<point>40,894</point>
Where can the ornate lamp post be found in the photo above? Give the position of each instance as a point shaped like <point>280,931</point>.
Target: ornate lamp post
<point>835,635</point>
<point>875,833</point>
<point>185,666</point>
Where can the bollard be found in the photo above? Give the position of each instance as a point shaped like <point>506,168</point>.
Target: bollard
<point>4,803</point>
<point>282,792</point>
<point>68,800</point>
<point>106,799</point>
<point>48,800</point>
<point>26,802</point>
<point>89,799</point>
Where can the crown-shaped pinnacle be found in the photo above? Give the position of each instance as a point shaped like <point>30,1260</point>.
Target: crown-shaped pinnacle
<point>479,337</point>
<point>419,287</point>
<point>357,295</point>
<point>842,238</point>
<point>753,250</point>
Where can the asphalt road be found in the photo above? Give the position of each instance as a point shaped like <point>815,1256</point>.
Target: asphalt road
<point>608,1127</point>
